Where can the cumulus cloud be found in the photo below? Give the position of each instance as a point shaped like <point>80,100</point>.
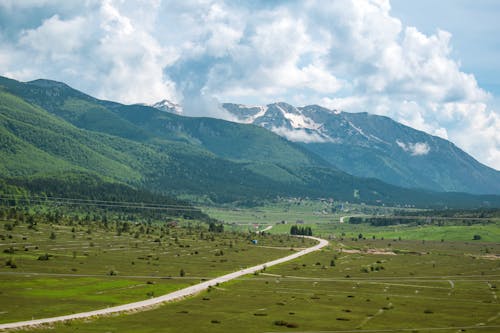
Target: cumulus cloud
<point>299,135</point>
<point>344,54</point>
<point>415,149</point>
<point>101,51</point>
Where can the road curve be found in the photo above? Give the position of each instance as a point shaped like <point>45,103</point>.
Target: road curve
<point>269,227</point>
<point>173,296</point>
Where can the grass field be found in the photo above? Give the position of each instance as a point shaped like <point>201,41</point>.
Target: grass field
<point>402,278</point>
<point>290,211</point>
<point>426,285</point>
<point>319,216</point>
<point>488,232</point>
<point>58,270</point>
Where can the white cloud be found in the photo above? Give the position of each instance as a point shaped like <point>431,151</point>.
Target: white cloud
<point>52,36</point>
<point>351,55</point>
<point>102,52</point>
<point>299,135</point>
<point>415,149</point>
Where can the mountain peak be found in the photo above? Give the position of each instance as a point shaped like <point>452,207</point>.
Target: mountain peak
<point>44,83</point>
<point>168,106</point>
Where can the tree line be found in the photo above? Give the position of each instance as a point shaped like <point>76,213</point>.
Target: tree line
<point>304,231</point>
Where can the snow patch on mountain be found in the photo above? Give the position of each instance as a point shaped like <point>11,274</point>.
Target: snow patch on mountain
<point>251,119</point>
<point>298,120</point>
<point>376,138</point>
<point>359,130</point>
<point>415,149</point>
<point>168,106</point>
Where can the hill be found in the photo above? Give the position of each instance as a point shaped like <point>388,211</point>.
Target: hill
<point>49,131</point>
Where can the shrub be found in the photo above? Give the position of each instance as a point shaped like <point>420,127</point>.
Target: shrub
<point>10,263</point>
<point>44,257</point>
<point>10,250</point>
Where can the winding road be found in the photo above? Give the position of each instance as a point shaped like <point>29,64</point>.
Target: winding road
<point>269,227</point>
<point>173,296</point>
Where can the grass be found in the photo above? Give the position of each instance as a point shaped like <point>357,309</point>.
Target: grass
<point>30,296</point>
<point>463,233</point>
<point>290,211</point>
<point>88,267</point>
<point>399,278</point>
<point>427,285</point>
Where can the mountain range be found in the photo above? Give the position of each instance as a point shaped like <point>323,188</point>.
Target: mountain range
<point>50,131</point>
<point>368,145</point>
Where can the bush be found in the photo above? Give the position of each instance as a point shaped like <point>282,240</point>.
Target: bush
<point>44,257</point>
<point>285,323</point>
<point>10,250</point>
<point>10,263</point>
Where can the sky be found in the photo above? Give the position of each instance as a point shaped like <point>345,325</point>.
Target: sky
<point>432,65</point>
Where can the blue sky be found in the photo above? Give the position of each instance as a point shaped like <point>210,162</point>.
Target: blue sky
<point>432,65</point>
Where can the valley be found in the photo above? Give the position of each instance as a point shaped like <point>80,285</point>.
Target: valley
<point>423,277</point>
<point>104,205</point>
<point>249,166</point>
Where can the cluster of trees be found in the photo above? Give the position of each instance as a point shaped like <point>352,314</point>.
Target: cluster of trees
<point>468,213</point>
<point>296,230</point>
<point>384,221</point>
<point>417,220</point>
<point>213,227</point>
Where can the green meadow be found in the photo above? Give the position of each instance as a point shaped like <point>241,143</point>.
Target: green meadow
<point>395,278</point>
<point>58,269</point>
<point>410,286</point>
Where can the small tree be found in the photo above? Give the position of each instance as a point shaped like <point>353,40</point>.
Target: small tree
<point>182,273</point>
<point>476,237</point>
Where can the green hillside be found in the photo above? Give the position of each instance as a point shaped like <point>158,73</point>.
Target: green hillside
<point>50,131</point>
